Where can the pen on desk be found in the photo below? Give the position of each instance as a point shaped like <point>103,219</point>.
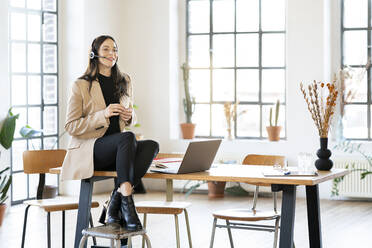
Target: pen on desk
<point>287,173</point>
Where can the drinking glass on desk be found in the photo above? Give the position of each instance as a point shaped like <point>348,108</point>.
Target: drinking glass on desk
<point>304,161</point>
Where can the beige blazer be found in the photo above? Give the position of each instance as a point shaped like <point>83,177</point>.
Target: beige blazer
<point>85,122</point>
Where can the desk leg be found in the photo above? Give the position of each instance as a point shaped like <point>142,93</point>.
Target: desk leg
<point>313,216</point>
<point>287,216</point>
<point>169,190</point>
<point>85,202</point>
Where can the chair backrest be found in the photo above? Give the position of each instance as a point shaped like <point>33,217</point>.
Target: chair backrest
<point>40,161</point>
<point>269,160</point>
<point>170,155</point>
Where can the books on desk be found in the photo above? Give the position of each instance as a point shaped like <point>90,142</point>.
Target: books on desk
<point>289,173</point>
<point>166,162</point>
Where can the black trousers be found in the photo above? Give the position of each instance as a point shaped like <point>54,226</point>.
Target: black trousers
<point>121,152</point>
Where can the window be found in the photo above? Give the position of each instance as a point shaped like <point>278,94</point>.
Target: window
<point>356,51</point>
<point>33,73</point>
<point>236,53</point>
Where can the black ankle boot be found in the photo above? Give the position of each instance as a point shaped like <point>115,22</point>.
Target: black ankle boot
<point>113,209</point>
<point>129,213</point>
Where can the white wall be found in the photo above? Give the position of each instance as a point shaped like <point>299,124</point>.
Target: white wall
<point>151,40</point>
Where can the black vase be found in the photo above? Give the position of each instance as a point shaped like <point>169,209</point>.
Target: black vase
<point>323,163</point>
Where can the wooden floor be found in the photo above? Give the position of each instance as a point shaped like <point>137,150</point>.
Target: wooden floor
<point>345,224</point>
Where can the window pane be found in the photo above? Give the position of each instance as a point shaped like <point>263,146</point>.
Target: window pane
<point>248,124</point>
<point>223,50</point>
<point>200,85</point>
<point>50,143</point>
<point>202,120</point>
<point>17,3</point>
<point>34,58</point>
<point>34,118</point>
<point>18,57</point>
<point>355,121</point>
<point>355,47</point>
<point>247,83</point>
<point>218,120</point>
<point>223,85</point>
<point>223,16</point>
<point>19,186</point>
<point>355,13</point>
<point>18,147</point>
<point>34,4</point>
<point>18,26</point>
<point>266,119</point>
<point>50,58</point>
<point>199,16</point>
<point>21,121</point>
<point>247,50</point>
<point>49,5</point>
<point>273,47</point>
<point>18,90</point>
<point>50,89</point>
<point>33,182</point>
<point>356,87</point>
<point>34,90</point>
<point>273,15</point>
<point>50,28</point>
<point>247,15</point>
<point>199,50</point>
<point>273,85</point>
<point>34,144</point>
<point>33,26</point>
<point>50,120</point>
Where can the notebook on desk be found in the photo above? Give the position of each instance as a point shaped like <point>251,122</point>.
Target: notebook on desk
<point>289,173</point>
<point>198,157</point>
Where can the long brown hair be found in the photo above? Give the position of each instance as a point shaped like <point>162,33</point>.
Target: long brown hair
<point>91,73</point>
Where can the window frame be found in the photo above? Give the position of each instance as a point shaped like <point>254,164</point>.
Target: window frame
<point>260,68</point>
<point>42,74</point>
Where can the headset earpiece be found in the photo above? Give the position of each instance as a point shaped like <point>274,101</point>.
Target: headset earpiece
<point>91,55</point>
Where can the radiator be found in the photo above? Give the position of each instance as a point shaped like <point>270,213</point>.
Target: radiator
<point>352,185</point>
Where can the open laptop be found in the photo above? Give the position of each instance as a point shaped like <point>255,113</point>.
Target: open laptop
<point>198,157</point>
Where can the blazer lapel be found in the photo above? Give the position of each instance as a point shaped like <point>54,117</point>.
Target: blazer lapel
<point>97,95</point>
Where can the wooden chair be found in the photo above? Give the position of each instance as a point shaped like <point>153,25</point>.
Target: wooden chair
<point>251,215</point>
<point>39,162</point>
<point>167,207</point>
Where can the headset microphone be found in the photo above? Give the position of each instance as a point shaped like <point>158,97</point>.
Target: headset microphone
<point>92,55</point>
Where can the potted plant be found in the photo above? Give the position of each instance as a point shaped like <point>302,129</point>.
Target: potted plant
<point>6,139</point>
<point>273,131</point>
<point>188,128</point>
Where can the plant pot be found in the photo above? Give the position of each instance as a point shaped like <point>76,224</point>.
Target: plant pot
<point>2,213</point>
<point>216,189</point>
<point>273,132</point>
<point>324,163</point>
<point>188,130</point>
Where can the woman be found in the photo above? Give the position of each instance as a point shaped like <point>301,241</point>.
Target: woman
<point>99,109</point>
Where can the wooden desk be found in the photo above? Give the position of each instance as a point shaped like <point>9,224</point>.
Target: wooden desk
<point>235,173</point>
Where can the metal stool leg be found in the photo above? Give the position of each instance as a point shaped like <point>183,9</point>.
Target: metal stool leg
<point>148,243</point>
<point>213,232</point>
<point>188,227</point>
<point>129,242</point>
<point>144,226</point>
<point>276,232</point>
<point>112,243</point>
<point>82,241</point>
<point>177,230</point>
<point>229,232</point>
<point>48,230</point>
<point>24,226</point>
<point>118,243</point>
<point>63,227</point>
<point>91,225</point>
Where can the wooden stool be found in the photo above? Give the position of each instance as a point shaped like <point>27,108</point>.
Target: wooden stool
<point>109,232</point>
<point>161,207</point>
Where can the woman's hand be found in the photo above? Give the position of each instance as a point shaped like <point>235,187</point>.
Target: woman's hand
<point>126,115</point>
<point>114,109</point>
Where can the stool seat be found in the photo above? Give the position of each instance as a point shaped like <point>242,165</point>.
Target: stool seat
<point>57,204</point>
<point>114,234</point>
<point>245,215</point>
<point>161,207</point>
